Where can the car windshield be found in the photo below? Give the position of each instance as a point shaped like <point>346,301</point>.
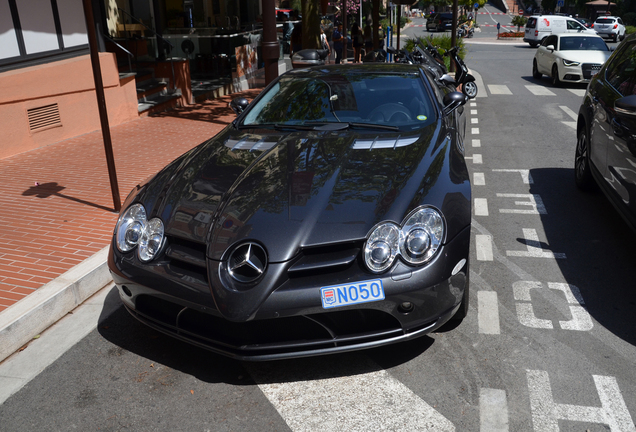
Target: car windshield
<point>583,44</point>
<point>384,99</point>
<point>605,21</point>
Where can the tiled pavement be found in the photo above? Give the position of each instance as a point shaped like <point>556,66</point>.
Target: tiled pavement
<point>56,206</point>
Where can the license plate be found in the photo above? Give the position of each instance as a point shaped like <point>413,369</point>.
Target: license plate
<point>351,293</point>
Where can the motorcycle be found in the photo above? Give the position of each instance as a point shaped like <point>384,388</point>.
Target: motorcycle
<point>467,81</point>
<point>465,32</point>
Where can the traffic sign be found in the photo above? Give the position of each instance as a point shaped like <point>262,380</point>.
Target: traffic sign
<point>476,5</point>
<point>561,3</point>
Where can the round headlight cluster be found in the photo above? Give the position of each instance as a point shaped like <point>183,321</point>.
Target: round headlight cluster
<point>416,240</point>
<point>133,229</point>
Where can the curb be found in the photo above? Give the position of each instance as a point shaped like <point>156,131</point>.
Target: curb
<point>35,313</point>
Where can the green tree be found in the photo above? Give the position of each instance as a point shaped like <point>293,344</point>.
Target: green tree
<point>519,21</point>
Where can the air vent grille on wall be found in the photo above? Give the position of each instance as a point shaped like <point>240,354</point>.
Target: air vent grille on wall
<point>44,117</point>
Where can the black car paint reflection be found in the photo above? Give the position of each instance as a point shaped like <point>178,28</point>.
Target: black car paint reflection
<point>309,197</point>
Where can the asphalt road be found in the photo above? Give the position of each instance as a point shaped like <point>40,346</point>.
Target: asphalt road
<point>548,344</point>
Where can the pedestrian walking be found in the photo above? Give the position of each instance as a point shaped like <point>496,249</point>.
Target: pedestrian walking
<point>337,39</point>
<point>357,41</point>
<point>324,43</point>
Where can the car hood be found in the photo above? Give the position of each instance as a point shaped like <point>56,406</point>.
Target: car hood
<point>299,189</point>
<point>585,56</point>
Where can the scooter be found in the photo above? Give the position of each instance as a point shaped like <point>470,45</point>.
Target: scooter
<point>465,32</point>
<point>467,81</point>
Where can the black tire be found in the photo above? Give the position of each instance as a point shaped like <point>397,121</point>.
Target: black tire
<point>535,71</point>
<point>615,37</point>
<point>556,82</point>
<point>622,37</point>
<point>582,171</point>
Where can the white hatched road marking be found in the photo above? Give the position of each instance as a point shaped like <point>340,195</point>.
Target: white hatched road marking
<point>357,395</point>
<point>572,115</point>
<point>481,207</point>
<point>488,312</point>
<point>479,179</point>
<point>532,200</point>
<point>493,410</point>
<point>533,247</point>
<point>578,92</point>
<point>546,413</point>
<point>496,89</point>
<point>540,90</point>
<point>483,247</point>
<point>525,174</point>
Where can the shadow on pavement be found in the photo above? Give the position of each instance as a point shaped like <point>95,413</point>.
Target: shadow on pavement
<point>45,190</point>
<point>599,246</point>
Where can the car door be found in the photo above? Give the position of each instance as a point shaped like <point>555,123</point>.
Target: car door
<point>621,127</point>
<point>545,56</point>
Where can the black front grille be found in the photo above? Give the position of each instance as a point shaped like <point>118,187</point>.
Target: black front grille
<point>324,259</point>
<point>187,258</point>
<point>589,69</point>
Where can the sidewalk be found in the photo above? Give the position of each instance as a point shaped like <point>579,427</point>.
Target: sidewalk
<point>57,217</point>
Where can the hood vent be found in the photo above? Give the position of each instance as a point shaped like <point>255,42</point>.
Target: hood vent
<point>44,117</point>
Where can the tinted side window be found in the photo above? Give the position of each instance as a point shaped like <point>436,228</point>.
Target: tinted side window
<point>550,40</point>
<point>621,72</point>
<point>532,23</point>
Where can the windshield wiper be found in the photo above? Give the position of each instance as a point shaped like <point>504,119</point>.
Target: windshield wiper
<point>374,126</point>
<point>282,126</point>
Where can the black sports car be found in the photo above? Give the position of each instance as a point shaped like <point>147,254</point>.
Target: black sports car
<point>332,215</point>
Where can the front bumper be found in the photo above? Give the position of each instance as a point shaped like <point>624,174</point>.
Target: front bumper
<point>581,74</point>
<point>292,323</point>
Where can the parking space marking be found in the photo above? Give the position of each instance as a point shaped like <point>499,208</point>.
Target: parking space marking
<point>476,143</point>
<point>479,179</point>
<point>578,92</point>
<point>356,397</point>
<point>499,89</point>
<point>473,104</point>
<point>474,120</point>
<point>477,158</point>
<point>493,410</point>
<point>473,112</point>
<point>546,413</point>
<point>533,201</point>
<point>483,247</point>
<point>488,313</point>
<point>540,90</point>
<point>474,131</point>
<point>481,207</point>
<point>534,248</point>
<point>525,174</point>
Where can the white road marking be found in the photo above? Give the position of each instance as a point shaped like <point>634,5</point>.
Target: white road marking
<point>488,312</point>
<point>479,179</point>
<point>473,104</point>
<point>534,249</point>
<point>499,89</point>
<point>568,111</point>
<point>525,174</point>
<point>474,131</point>
<point>481,207</point>
<point>474,120</point>
<point>546,413</point>
<point>578,92</point>
<point>358,396</point>
<point>493,410</point>
<point>473,112</point>
<point>532,200</point>
<point>476,143</point>
<point>570,124</point>
<point>539,90</point>
<point>483,247</point>
<point>477,159</point>
<point>479,83</point>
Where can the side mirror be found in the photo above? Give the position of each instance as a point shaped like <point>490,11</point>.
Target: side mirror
<point>626,106</point>
<point>239,104</point>
<point>550,47</point>
<point>453,100</point>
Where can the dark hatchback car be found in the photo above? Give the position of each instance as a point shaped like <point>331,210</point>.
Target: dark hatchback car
<point>332,215</point>
<point>606,128</point>
<point>439,22</point>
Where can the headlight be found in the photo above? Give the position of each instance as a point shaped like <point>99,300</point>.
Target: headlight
<point>382,247</point>
<point>416,240</point>
<point>421,235</point>
<point>130,227</point>
<point>570,63</point>
<point>133,229</point>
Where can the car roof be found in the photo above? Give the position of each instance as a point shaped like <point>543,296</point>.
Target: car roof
<point>587,35</point>
<point>385,68</point>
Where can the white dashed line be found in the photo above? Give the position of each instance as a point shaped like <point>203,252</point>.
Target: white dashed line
<point>476,143</point>
<point>481,207</point>
<point>488,312</point>
<point>483,247</point>
<point>493,410</point>
<point>479,179</point>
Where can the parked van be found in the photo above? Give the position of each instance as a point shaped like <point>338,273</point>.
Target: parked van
<point>540,27</point>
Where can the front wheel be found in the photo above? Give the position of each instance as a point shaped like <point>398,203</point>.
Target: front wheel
<point>556,82</point>
<point>470,89</point>
<point>582,173</point>
<point>535,70</point>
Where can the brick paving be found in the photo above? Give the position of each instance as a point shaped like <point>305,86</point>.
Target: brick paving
<point>56,206</point>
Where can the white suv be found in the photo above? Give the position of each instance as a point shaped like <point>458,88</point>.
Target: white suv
<point>609,27</point>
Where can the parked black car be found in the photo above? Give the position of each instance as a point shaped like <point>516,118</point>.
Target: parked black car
<point>606,129</point>
<point>439,22</point>
<point>332,215</point>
